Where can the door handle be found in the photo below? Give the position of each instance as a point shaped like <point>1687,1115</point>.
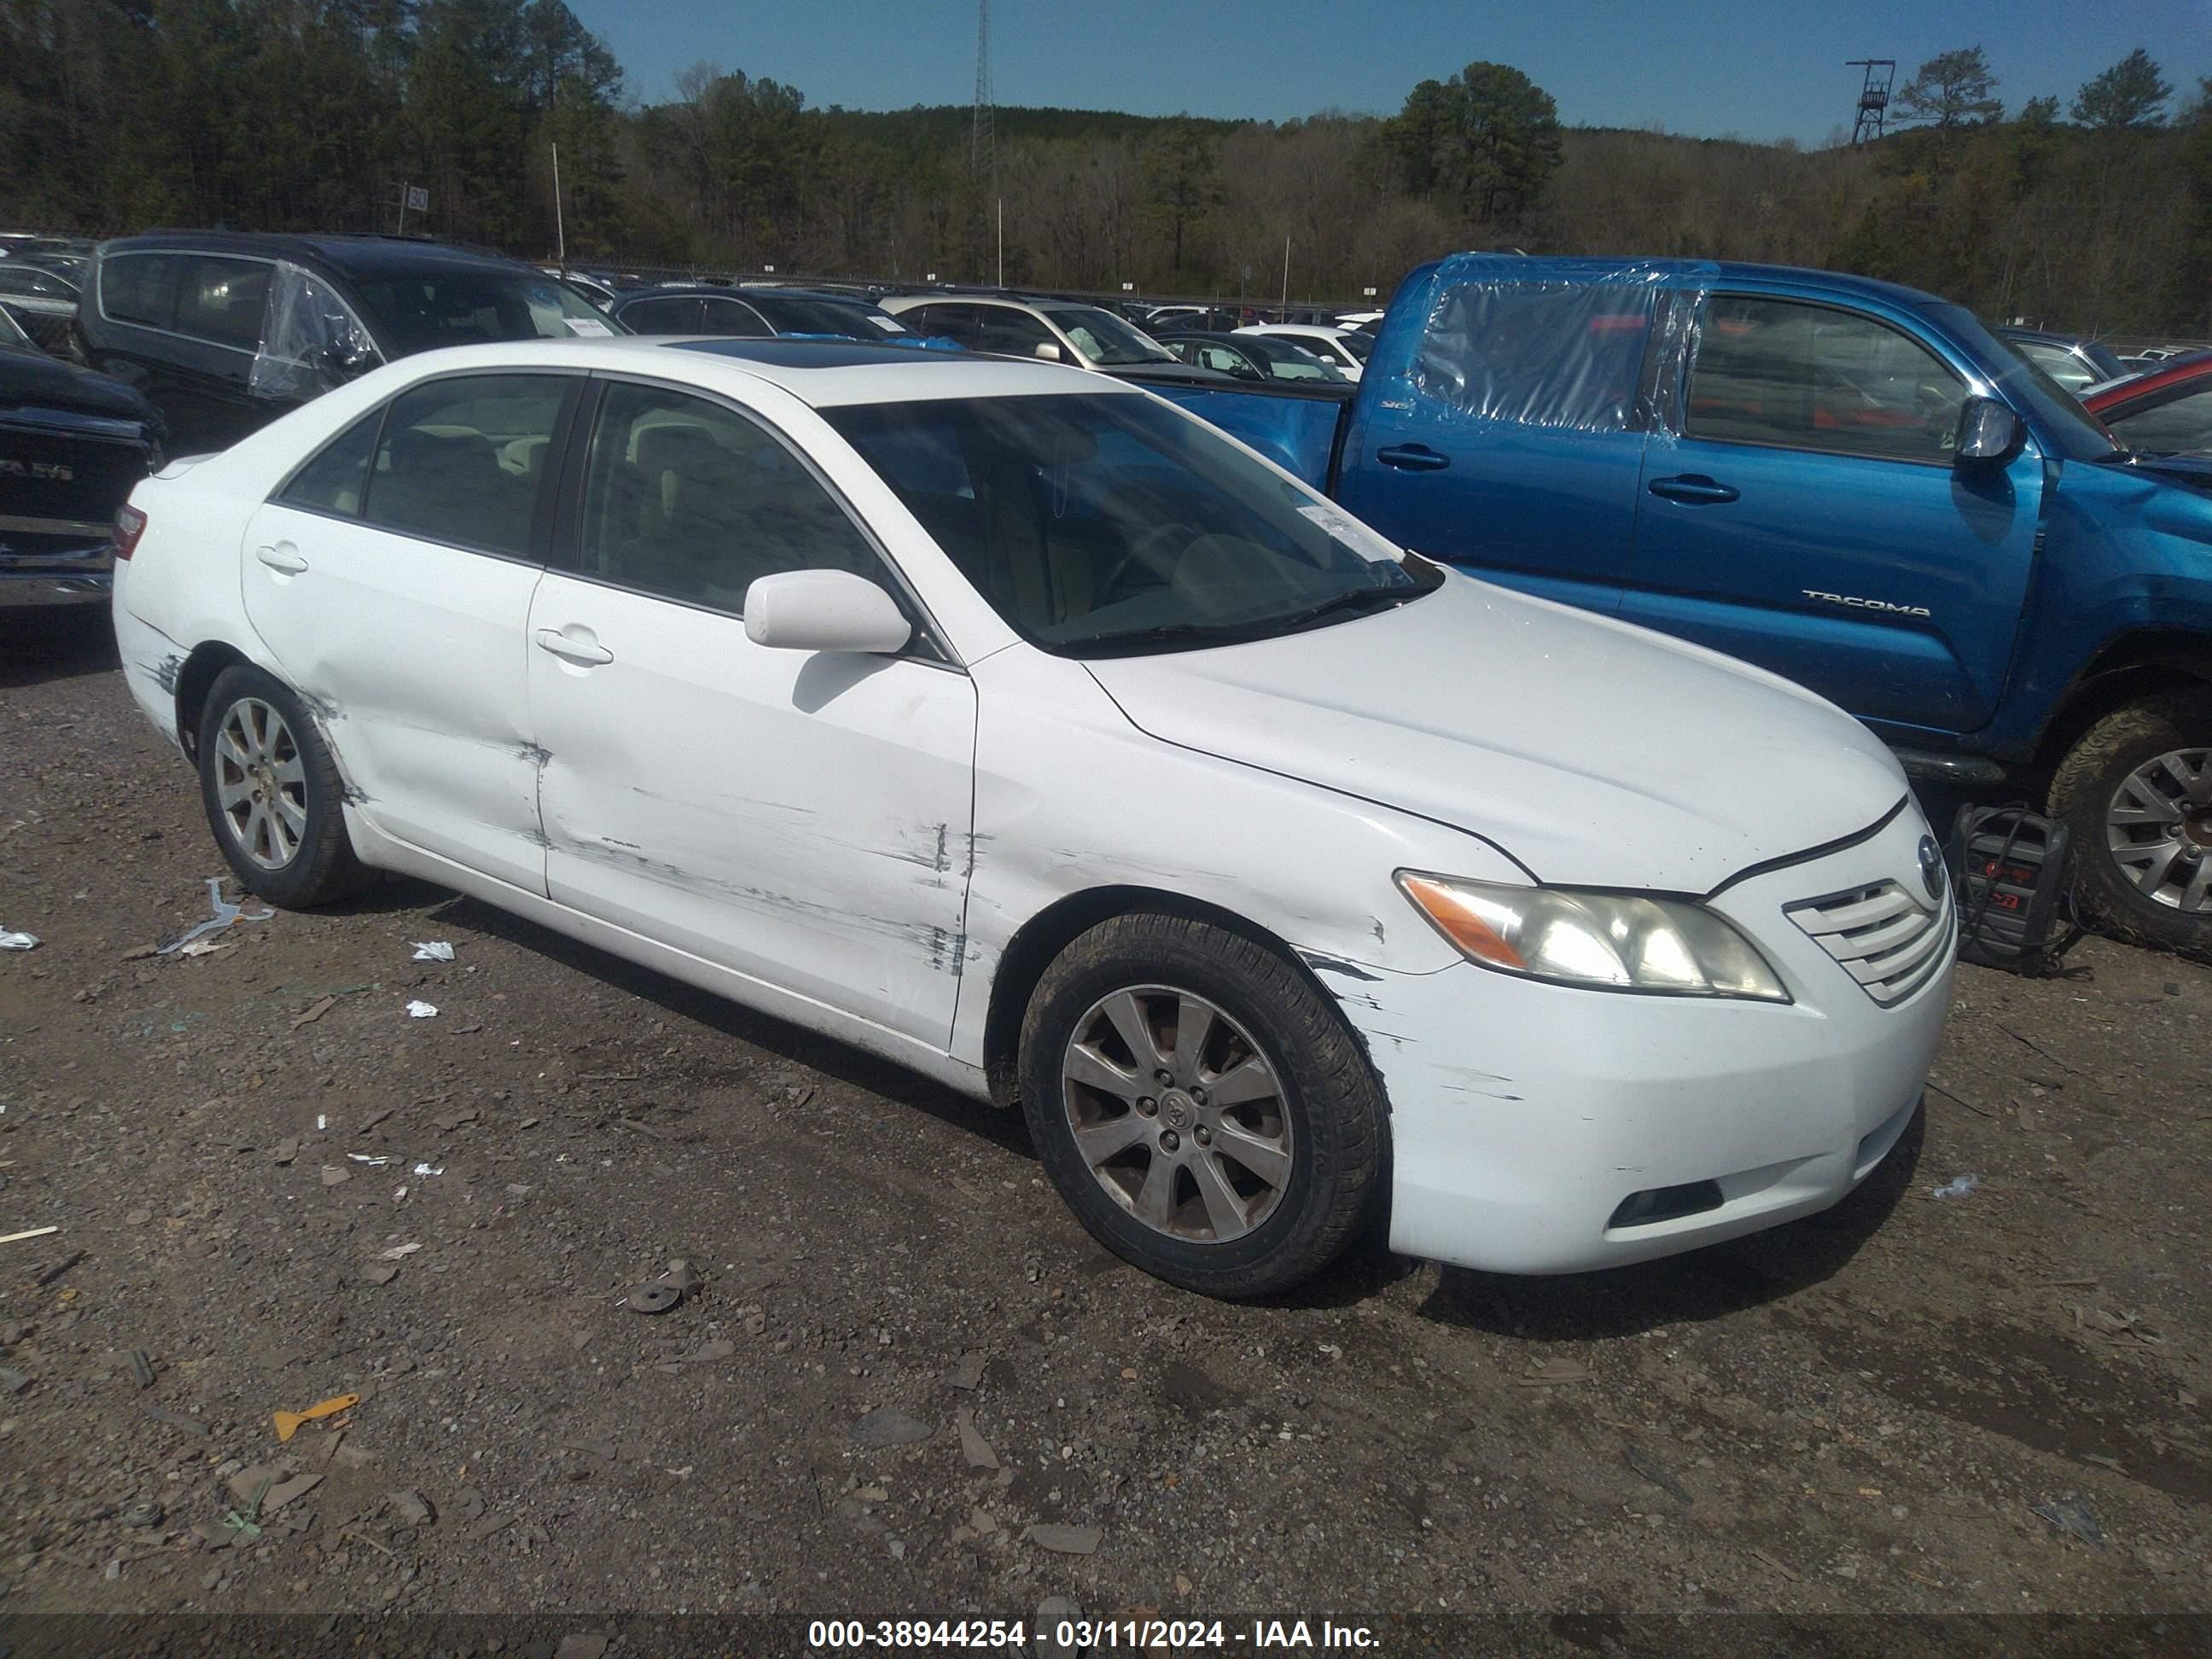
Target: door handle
<point>575,651</point>
<point>1694,488</point>
<point>283,557</point>
<point>1413,457</point>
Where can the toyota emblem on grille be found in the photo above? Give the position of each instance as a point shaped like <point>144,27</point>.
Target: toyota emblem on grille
<point>1931,866</point>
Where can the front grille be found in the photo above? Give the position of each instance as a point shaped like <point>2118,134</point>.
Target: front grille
<point>1887,940</point>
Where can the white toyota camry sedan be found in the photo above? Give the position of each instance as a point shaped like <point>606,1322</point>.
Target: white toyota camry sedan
<point>1010,722</point>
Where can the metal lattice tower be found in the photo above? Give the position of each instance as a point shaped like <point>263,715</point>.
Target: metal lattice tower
<point>1873,96</point>
<point>982,150</point>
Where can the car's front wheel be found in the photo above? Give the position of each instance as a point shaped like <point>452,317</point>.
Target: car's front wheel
<point>2136,793</point>
<point>272,792</point>
<point>1200,1106</point>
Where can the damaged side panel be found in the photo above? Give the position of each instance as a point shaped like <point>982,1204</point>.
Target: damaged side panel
<point>1054,791</point>
<point>410,657</point>
<point>800,817</point>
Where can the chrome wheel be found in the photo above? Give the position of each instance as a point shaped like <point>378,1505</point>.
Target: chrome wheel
<point>2158,827</point>
<point>1178,1114</point>
<point>260,784</point>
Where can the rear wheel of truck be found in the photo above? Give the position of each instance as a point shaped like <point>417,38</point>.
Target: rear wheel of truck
<point>2136,793</point>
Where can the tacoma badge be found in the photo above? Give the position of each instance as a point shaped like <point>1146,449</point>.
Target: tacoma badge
<point>1857,604</point>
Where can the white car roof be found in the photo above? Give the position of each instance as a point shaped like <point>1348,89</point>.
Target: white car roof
<point>1323,329</point>
<point>821,373</point>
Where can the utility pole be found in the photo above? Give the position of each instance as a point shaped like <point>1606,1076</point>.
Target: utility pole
<point>560,225</point>
<point>1002,241</point>
<point>1286,273</point>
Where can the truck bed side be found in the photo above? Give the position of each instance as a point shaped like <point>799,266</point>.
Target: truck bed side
<point>1296,427</point>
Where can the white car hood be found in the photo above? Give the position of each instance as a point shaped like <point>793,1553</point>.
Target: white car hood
<point>1594,753</point>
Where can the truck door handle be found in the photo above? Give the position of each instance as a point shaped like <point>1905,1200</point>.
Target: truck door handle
<point>1693,487</point>
<point>588,653</point>
<point>1413,457</point>
<point>283,557</point>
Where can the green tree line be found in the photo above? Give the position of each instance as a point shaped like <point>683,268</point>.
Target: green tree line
<point>116,115</point>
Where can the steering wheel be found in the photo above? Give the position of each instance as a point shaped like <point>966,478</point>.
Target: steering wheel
<point>1938,411</point>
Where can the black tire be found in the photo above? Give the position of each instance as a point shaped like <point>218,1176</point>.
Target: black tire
<point>2081,795</point>
<point>320,865</point>
<point>1327,1093</point>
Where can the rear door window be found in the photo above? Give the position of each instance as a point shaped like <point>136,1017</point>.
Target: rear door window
<point>670,316</point>
<point>222,301</point>
<point>140,288</point>
<point>1795,376</point>
<point>1538,352</point>
<point>1229,360</point>
<point>29,281</point>
<point>462,460</point>
<point>338,478</point>
<point>950,322</point>
<point>733,319</point>
<point>1015,333</point>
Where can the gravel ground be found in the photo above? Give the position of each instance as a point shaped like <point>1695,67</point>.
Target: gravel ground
<point>907,1383</point>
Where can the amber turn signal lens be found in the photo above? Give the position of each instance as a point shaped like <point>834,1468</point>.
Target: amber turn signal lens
<point>1456,918</point>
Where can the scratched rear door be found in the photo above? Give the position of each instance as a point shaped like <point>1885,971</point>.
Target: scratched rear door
<point>801,817</point>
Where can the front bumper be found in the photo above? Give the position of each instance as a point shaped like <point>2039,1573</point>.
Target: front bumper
<point>1524,1116</point>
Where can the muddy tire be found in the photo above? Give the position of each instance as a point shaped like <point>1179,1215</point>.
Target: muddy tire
<point>1200,1105</point>
<point>272,794</point>
<point>2136,792</point>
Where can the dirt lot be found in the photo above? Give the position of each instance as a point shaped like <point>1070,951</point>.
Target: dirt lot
<point>1859,1412</point>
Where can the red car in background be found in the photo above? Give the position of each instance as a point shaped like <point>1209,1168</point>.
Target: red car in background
<point>2166,411</point>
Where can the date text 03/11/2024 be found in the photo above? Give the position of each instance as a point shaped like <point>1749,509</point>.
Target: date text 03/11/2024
<point>1078,1635</point>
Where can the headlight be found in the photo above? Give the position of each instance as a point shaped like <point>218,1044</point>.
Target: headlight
<point>1621,941</point>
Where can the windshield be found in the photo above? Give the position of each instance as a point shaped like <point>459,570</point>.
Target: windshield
<point>1099,524</point>
<point>856,321</point>
<point>448,308</point>
<point>12,338</point>
<point>1106,340</point>
<point>2072,428</point>
<point>1359,345</point>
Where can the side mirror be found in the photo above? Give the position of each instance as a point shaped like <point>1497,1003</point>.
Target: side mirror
<point>1990,434</point>
<point>823,611</point>
<point>1049,351</point>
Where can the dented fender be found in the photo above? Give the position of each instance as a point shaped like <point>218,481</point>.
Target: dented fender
<point>1061,773</point>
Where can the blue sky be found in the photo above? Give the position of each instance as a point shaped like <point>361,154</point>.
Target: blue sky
<point>1765,70</point>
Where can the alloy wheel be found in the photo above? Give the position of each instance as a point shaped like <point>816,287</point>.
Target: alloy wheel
<point>1178,1114</point>
<point>2158,829</point>
<point>260,783</point>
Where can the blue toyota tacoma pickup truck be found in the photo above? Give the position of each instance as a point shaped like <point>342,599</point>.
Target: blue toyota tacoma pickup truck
<point>1851,483</point>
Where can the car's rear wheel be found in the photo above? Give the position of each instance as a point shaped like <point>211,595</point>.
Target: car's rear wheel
<point>1200,1106</point>
<point>272,792</point>
<point>2136,793</point>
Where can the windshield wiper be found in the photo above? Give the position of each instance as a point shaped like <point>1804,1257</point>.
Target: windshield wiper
<point>1352,598</point>
<point>1182,633</point>
<point>1233,633</point>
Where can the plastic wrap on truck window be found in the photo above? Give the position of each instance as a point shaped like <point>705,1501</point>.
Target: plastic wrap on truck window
<point>312,342</point>
<point>1566,353</point>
